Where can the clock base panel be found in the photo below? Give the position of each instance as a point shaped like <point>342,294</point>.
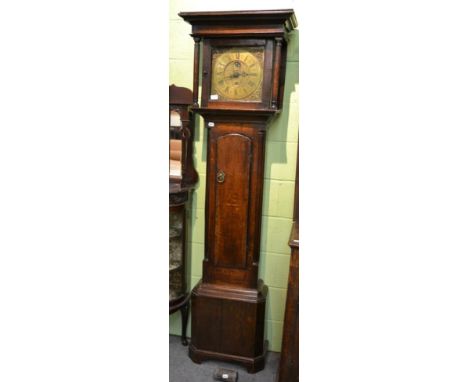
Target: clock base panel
<point>228,325</point>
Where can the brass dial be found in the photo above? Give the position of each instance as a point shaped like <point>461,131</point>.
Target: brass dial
<point>237,74</point>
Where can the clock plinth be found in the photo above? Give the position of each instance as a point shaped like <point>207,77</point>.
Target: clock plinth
<point>227,325</point>
<point>243,70</point>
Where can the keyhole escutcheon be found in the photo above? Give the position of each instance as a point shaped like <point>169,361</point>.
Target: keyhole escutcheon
<point>220,176</point>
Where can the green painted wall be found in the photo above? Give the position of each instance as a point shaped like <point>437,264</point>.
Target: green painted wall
<point>280,170</point>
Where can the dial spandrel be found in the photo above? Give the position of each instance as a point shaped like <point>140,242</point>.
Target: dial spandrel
<point>237,74</point>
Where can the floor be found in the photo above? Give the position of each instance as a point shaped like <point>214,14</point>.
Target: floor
<point>182,369</point>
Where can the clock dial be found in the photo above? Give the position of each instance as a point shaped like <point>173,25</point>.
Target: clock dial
<point>237,74</point>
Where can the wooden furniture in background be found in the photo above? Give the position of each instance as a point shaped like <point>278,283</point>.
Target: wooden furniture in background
<point>243,70</point>
<point>182,179</point>
<point>288,370</point>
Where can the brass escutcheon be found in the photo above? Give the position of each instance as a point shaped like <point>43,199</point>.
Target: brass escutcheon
<point>220,176</point>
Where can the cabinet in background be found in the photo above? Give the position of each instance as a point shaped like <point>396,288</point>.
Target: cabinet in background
<point>182,179</point>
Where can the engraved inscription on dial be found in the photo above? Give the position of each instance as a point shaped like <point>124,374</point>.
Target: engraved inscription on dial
<point>237,74</point>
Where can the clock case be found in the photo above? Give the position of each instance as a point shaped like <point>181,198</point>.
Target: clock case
<point>228,304</point>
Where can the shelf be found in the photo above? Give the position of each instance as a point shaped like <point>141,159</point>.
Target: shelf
<point>173,295</point>
<point>175,232</point>
<point>174,266</point>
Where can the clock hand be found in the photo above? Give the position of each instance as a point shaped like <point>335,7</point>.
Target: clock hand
<point>243,74</point>
<point>234,75</point>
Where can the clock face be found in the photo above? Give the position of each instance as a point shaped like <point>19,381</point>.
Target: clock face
<point>237,74</point>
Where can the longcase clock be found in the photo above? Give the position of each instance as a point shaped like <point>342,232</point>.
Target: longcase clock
<point>240,57</point>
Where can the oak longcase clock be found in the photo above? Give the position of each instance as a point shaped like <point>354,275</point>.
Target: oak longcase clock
<point>240,57</point>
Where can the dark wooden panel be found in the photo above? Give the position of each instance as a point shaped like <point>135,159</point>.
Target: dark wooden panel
<point>207,310</point>
<point>239,317</point>
<point>228,325</point>
<point>233,152</point>
<point>233,249</point>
